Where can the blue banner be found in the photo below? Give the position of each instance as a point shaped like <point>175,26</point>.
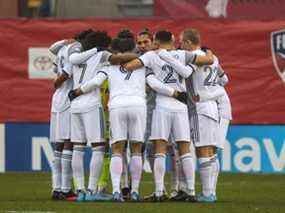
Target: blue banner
<point>249,148</point>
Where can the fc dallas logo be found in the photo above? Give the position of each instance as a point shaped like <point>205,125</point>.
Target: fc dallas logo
<point>278,52</point>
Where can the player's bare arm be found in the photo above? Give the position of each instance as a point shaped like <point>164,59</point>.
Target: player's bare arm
<point>60,80</point>
<point>133,65</point>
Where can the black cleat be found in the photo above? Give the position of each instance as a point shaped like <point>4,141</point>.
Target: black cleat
<point>192,199</point>
<point>126,192</point>
<point>183,196</point>
<point>56,195</point>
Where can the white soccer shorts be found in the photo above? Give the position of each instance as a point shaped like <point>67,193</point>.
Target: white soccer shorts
<point>88,126</point>
<point>204,131</point>
<point>127,123</point>
<point>166,122</point>
<point>60,126</point>
<point>222,132</point>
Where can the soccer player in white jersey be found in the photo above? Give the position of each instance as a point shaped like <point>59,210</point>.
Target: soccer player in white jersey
<point>60,120</point>
<point>127,107</point>
<point>170,116</point>
<point>225,116</point>
<point>87,122</point>
<point>204,115</point>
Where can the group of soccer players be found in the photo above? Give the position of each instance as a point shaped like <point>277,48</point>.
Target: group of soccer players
<point>160,100</point>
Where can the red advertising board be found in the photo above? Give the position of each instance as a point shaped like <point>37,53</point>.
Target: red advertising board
<point>244,48</point>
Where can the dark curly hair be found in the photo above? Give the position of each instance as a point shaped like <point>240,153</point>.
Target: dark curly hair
<point>126,33</point>
<point>99,39</point>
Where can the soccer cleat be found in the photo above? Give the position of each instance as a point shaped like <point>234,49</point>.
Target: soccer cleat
<point>117,197</point>
<point>149,197</point>
<point>98,197</point>
<point>174,193</point>
<point>56,195</point>
<point>161,198</point>
<point>90,195</point>
<point>135,197</point>
<point>80,196</point>
<point>181,196</point>
<point>206,199</point>
<point>126,193</point>
<point>70,195</point>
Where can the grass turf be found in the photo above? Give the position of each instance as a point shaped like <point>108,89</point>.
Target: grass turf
<point>30,192</point>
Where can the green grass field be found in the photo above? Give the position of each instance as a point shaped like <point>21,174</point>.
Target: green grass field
<point>30,192</point>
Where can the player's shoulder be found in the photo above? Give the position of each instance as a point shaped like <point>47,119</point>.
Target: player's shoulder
<point>74,47</point>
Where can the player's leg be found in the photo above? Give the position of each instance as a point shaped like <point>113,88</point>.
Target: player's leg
<point>94,128</point>
<point>118,138</point>
<point>205,149</point>
<point>57,155</point>
<point>64,133</point>
<point>181,134</point>
<point>160,132</point>
<point>104,178</point>
<point>136,130</point>
<point>125,174</point>
<point>79,140</point>
<point>222,133</point>
<point>174,169</point>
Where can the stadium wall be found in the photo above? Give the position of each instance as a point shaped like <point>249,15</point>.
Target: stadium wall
<point>251,52</point>
<point>249,148</point>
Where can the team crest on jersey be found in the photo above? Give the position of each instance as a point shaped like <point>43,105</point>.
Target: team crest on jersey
<point>278,52</point>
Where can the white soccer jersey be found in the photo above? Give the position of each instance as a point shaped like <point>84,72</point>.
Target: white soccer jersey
<point>204,81</point>
<point>126,88</point>
<point>83,73</point>
<point>166,74</point>
<point>60,101</point>
<point>224,106</point>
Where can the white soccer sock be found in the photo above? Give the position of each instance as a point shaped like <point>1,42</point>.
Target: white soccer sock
<point>125,173</point>
<point>78,166</point>
<point>159,172</point>
<point>66,178</point>
<point>116,168</point>
<point>216,171</point>
<point>136,171</point>
<point>56,171</point>
<point>189,172</point>
<point>174,174</point>
<point>181,176</point>
<point>96,164</point>
<point>206,173</point>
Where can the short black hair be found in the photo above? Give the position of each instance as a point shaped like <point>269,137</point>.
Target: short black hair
<point>125,33</point>
<point>146,32</point>
<point>123,45</point>
<point>82,35</point>
<point>163,36</point>
<point>99,39</point>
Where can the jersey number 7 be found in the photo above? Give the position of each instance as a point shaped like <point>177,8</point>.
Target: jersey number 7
<point>83,66</point>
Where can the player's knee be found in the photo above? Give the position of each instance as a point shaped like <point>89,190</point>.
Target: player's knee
<point>183,147</point>
<point>136,148</point>
<point>68,145</point>
<point>160,146</point>
<point>205,151</point>
<point>118,147</point>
